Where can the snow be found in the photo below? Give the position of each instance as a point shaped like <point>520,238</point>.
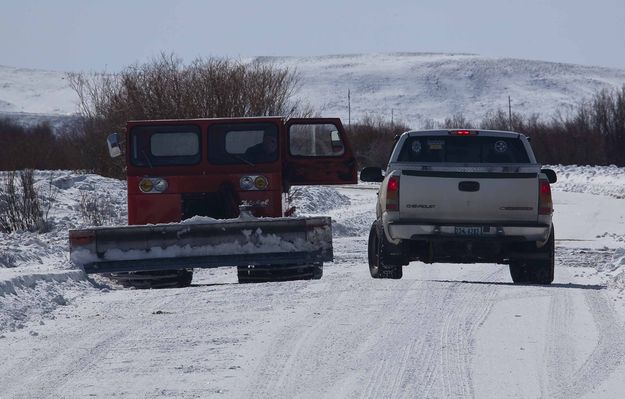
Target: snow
<point>441,331</point>
<point>412,88</point>
<point>599,180</point>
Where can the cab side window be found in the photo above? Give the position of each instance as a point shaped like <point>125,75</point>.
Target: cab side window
<point>315,140</point>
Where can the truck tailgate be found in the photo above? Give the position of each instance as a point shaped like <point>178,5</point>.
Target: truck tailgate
<point>469,197</point>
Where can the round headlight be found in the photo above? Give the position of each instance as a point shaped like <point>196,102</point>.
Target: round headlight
<point>246,183</point>
<point>160,185</point>
<point>146,185</point>
<point>261,182</point>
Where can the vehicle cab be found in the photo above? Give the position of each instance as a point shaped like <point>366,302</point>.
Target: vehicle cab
<point>178,169</point>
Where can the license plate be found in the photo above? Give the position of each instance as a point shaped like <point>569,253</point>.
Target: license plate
<point>468,231</point>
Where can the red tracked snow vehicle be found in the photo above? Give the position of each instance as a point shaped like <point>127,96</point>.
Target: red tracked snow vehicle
<point>214,192</point>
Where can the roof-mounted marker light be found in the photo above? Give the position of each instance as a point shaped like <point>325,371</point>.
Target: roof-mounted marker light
<point>462,132</point>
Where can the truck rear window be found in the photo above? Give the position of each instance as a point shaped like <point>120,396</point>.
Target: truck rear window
<point>165,145</point>
<point>461,149</point>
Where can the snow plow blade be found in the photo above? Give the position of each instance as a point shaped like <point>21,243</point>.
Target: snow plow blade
<point>270,242</point>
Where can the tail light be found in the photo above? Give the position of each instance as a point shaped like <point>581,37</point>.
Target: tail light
<point>392,194</point>
<point>545,202</point>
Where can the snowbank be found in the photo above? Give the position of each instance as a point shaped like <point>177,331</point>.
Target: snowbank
<point>310,200</point>
<point>35,296</point>
<point>598,180</point>
<point>617,274</point>
<point>36,275</point>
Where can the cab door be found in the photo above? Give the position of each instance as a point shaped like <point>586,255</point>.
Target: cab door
<point>318,152</point>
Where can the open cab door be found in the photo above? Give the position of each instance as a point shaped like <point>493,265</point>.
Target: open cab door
<point>318,152</point>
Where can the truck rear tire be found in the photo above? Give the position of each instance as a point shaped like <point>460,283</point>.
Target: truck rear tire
<point>381,264</point>
<point>536,271</point>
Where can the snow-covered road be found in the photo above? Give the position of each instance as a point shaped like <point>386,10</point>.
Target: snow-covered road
<point>442,331</point>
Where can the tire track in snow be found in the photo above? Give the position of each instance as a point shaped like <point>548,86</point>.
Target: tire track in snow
<point>560,346</point>
<point>386,381</point>
<point>281,356</point>
<point>419,367</point>
<point>467,313</point>
<point>301,355</point>
<point>606,356</point>
<point>48,372</point>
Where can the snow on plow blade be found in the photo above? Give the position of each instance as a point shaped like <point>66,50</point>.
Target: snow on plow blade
<point>233,242</point>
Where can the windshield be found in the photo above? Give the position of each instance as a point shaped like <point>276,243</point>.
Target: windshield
<point>462,149</point>
<point>243,143</point>
<point>165,145</point>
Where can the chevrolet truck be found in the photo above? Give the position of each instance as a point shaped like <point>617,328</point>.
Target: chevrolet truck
<point>463,196</point>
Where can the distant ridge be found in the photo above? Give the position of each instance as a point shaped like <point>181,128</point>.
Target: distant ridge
<point>413,87</point>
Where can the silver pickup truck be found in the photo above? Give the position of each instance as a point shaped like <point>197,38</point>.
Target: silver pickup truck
<point>463,196</point>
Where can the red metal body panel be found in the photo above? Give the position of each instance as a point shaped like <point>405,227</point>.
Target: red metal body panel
<point>321,170</point>
<point>152,209</point>
<point>205,177</point>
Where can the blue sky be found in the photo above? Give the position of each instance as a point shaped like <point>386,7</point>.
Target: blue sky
<point>89,35</point>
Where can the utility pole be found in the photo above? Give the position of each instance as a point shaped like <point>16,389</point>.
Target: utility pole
<point>349,109</point>
<point>509,113</point>
<point>392,124</point>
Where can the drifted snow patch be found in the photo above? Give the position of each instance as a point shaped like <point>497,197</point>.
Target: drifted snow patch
<point>617,280</point>
<point>316,200</point>
<point>348,219</point>
<point>598,180</point>
<point>35,296</point>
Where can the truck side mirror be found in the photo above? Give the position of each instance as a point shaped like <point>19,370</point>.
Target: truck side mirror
<point>371,174</point>
<point>112,141</point>
<point>551,175</point>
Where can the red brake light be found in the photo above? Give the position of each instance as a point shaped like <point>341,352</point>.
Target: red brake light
<point>392,194</point>
<point>545,202</point>
<point>393,184</point>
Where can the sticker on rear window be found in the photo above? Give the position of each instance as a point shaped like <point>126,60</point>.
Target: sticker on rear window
<point>435,144</point>
<point>501,146</point>
<point>416,146</point>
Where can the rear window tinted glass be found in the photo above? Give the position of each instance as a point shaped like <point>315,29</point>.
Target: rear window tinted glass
<point>472,149</point>
<point>165,145</point>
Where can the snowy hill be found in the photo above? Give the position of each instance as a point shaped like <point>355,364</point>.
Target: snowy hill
<point>417,87</point>
<point>413,87</point>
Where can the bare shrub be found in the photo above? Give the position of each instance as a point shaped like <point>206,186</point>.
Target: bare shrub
<point>20,206</point>
<point>165,88</point>
<point>94,210</point>
<point>373,140</point>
